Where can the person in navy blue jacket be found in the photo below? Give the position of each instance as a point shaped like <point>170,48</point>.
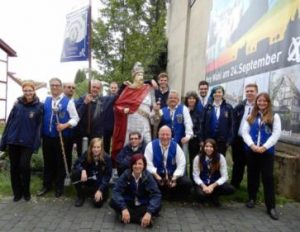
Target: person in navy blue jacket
<point>135,146</point>
<point>217,120</point>
<point>22,137</point>
<point>261,132</point>
<point>136,195</point>
<point>91,174</point>
<point>210,174</point>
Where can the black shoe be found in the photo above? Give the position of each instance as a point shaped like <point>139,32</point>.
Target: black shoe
<point>79,201</point>
<point>273,214</point>
<point>215,201</point>
<point>58,193</point>
<point>17,198</point>
<point>250,204</point>
<point>27,197</point>
<point>43,191</point>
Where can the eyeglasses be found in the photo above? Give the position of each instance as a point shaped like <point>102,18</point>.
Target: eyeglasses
<point>134,138</point>
<point>71,87</point>
<point>27,91</point>
<point>55,85</point>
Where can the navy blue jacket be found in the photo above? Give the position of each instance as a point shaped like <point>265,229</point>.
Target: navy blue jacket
<point>124,157</point>
<point>95,117</point>
<point>23,126</point>
<point>224,131</point>
<point>162,97</point>
<point>238,113</point>
<point>125,191</point>
<point>102,171</point>
<point>196,119</point>
<point>108,112</point>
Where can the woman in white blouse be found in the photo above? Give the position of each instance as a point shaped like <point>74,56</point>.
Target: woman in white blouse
<point>210,174</point>
<point>261,132</point>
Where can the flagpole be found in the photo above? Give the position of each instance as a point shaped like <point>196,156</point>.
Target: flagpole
<point>90,40</point>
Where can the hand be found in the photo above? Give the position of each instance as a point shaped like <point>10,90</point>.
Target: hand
<point>88,98</point>
<point>156,107</point>
<point>185,140</point>
<point>83,176</point>
<point>205,189</point>
<point>158,179</point>
<point>98,196</point>
<point>127,83</point>
<point>154,84</point>
<point>125,216</point>
<point>173,182</point>
<point>210,188</point>
<point>261,149</point>
<point>126,110</point>
<point>146,220</point>
<point>254,148</point>
<point>61,126</point>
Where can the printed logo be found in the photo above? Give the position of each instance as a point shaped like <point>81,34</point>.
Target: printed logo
<point>294,50</point>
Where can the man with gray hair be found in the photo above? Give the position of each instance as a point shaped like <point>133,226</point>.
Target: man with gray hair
<point>60,116</point>
<point>90,110</point>
<point>177,117</point>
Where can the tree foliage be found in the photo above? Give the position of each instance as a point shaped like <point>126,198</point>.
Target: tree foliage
<point>130,31</point>
<point>80,76</point>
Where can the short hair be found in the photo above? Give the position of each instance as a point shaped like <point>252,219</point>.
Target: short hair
<point>203,83</point>
<point>175,92</point>
<point>214,90</point>
<point>55,79</point>
<point>136,157</point>
<point>253,85</point>
<point>113,82</point>
<point>162,75</point>
<point>135,133</point>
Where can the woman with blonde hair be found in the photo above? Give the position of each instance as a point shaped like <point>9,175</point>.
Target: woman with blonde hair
<point>92,172</point>
<point>21,137</point>
<point>261,132</point>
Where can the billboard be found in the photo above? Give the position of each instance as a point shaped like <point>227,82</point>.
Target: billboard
<point>258,41</point>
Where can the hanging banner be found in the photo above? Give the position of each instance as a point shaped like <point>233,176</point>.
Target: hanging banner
<point>76,39</point>
<point>258,41</point>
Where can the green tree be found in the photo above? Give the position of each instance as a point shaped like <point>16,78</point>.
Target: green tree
<point>80,76</point>
<point>129,31</point>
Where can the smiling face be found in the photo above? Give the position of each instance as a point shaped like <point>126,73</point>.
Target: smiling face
<point>134,140</point>
<point>138,167</point>
<point>251,93</point>
<point>191,102</point>
<point>208,149</point>
<point>218,95</point>
<point>28,93</point>
<point>165,135</point>
<point>96,149</point>
<point>96,89</point>
<point>262,103</point>
<point>56,88</point>
<point>173,100</point>
<point>203,90</point>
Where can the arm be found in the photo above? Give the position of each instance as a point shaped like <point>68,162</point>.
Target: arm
<point>196,171</point>
<point>106,175</point>
<point>118,190</point>
<point>230,125</point>
<point>276,131</point>
<point>6,129</point>
<point>154,194</point>
<point>180,162</point>
<point>223,171</point>
<point>188,125</point>
<point>149,158</point>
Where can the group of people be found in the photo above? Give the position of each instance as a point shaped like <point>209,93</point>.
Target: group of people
<point>161,148</point>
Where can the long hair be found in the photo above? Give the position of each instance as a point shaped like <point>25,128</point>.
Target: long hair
<point>267,115</point>
<point>192,94</point>
<point>90,157</point>
<point>215,164</point>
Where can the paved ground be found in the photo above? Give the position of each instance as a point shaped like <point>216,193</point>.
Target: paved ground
<point>49,214</point>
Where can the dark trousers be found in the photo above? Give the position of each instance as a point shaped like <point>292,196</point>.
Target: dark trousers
<point>224,189</point>
<point>221,147</point>
<point>261,165</point>
<point>136,212</point>
<point>107,135</point>
<point>88,189</point>
<point>239,161</point>
<point>54,169</point>
<point>194,149</point>
<point>20,169</point>
<point>180,192</point>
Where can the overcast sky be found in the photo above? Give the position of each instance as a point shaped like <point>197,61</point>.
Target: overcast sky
<point>35,30</point>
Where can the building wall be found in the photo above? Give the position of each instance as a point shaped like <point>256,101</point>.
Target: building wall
<point>187,34</point>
